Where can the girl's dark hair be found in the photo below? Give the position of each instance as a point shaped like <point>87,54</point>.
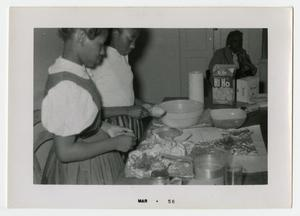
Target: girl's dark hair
<point>108,41</point>
<point>233,34</point>
<point>67,33</point>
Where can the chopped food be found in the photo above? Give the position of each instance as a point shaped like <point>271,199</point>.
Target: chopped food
<point>167,132</point>
<point>145,162</point>
<point>162,155</point>
<point>160,173</point>
<point>155,111</point>
<point>150,157</point>
<point>181,169</point>
<point>238,142</point>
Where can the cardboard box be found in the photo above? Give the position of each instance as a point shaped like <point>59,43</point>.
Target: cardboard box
<point>223,86</point>
<point>247,88</point>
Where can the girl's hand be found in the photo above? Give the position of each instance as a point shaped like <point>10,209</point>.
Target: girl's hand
<point>137,111</point>
<point>125,142</point>
<point>154,110</point>
<point>114,131</point>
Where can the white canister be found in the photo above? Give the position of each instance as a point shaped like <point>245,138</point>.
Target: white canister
<point>196,86</point>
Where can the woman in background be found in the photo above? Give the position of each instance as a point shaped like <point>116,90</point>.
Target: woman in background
<point>82,153</point>
<point>234,53</point>
<point>114,80</point>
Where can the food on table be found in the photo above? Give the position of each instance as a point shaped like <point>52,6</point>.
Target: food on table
<point>162,155</point>
<point>155,111</point>
<point>160,173</point>
<point>151,156</point>
<point>237,142</point>
<point>167,132</point>
<point>182,169</point>
<point>242,142</point>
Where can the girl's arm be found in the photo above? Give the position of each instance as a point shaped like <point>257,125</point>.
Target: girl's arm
<point>135,111</point>
<point>68,150</point>
<point>115,111</point>
<point>138,102</point>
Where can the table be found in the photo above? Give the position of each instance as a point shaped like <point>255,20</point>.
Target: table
<point>256,117</point>
<point>259,116</point>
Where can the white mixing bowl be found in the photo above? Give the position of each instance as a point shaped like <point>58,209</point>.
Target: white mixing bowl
<point>228,118</point>
<point>181,113</point>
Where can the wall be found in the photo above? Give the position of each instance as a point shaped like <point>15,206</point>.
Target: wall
<point>47,47</point>
<point>158,70</point>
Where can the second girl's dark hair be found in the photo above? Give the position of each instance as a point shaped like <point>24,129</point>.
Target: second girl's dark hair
<point>108,41</point>
<point>233,34</point>
<point>66,33</point>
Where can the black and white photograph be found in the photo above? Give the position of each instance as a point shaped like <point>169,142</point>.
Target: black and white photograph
<point>150,106</point>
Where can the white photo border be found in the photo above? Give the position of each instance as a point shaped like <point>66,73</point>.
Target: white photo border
<point>23,194</point>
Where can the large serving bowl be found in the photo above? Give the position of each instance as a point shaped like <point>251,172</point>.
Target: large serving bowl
<point>228,118</point>
<point>181,113</point>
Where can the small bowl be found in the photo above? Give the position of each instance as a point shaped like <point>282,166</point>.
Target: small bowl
<point>181,113</point>
<point>228,118</point>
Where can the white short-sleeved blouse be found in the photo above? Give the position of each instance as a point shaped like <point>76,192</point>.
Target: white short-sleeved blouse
<point>68,108</point>
<point>114,80</point>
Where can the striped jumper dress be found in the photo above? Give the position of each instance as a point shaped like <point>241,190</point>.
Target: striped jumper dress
<point>102,169</point>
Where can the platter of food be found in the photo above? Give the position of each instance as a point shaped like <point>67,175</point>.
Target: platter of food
<point>159,152</point>
<point>171,151</point>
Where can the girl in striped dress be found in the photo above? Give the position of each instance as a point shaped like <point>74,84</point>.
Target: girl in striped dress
<point>114,80</point>
<point>82,151</point>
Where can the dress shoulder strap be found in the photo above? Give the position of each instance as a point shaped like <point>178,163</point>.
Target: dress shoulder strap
<point>87,84</point>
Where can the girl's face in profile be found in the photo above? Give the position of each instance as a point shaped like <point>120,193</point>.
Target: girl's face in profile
<point>124,40</point>
<point>93,51</point>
